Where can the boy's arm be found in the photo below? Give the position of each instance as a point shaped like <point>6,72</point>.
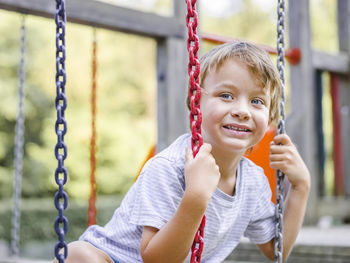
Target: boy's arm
<point>285,157</point>
<point>294,214</point>
<point>173,241</point>
<point>292,221</point>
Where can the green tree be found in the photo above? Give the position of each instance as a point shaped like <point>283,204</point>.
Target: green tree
<point>126,113</point>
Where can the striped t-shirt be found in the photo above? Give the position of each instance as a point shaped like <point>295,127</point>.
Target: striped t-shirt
<point>157,193</point>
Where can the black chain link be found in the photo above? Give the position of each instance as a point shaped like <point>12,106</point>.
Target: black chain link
<point>61,173</point>
<point>280,130</point>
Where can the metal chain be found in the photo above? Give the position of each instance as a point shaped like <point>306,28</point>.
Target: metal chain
<point>19,141</point>
<point>280,130</point>
<point>195,114</point>
<point>61,173</point>
<point>93,186</point>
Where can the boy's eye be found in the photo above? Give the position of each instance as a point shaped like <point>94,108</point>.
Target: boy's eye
<point>226,96</point>
<point>258,101</point>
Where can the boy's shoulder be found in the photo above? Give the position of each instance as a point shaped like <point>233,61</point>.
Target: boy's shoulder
<point>252,173</point>
<point>174,154</point>
<point>248,164</point>
<point>177,149</point>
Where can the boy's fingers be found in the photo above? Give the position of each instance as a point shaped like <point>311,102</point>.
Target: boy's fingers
<point>275,149</point>
<point>205,149</point>
<point>277,165</point>
<point>282,139</point>
<point>276,157</point>
<point>189,154</point>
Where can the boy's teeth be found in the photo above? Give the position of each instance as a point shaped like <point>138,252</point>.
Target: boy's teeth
<point>236,129</point>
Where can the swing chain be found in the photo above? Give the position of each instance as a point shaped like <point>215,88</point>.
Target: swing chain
<point>93,185</point>
<point>19,141</point>
<point>194,94</point>
<point>61,173</point>
<point>193,72</point>
<point>280,130</point>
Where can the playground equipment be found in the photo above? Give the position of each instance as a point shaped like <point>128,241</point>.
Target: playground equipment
<point>302,120</point>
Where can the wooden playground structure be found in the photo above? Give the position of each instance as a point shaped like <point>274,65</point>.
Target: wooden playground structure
<point>304,122</point>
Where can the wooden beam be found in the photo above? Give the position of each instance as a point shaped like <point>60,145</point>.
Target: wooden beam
<point>301,121</point>
<point>172,90</point>
<point>162,95</point>
<point>103,15</point>
<point>343,13</point>
<point>338,63</point>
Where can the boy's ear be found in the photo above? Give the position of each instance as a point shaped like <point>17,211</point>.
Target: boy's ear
<point>270,121</point>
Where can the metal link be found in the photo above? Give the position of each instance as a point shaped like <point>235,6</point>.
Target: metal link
<point>280,129</point>
<point>194,91</point>
<point>193,71</point>
<point>198,243</point>
<point>19,141</point>
<point>61,173</point>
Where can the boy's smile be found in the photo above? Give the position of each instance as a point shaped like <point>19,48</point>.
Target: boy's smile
<point>237,129</point>
<point>235,108</point>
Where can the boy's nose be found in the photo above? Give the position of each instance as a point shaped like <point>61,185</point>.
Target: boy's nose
<point>241,111</point>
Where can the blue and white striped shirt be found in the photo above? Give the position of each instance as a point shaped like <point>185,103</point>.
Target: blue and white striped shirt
<point>157,193</point>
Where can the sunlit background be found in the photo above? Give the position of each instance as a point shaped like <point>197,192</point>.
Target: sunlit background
<point>126,92</point>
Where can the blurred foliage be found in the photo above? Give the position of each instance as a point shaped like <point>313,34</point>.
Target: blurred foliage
<point>250,21</point>
<point>324,32</point>
<point>328,135</point>
<point>38,215</point>
<point>125,106</point>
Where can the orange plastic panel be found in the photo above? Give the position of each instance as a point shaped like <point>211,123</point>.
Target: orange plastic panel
<point>260,156</point>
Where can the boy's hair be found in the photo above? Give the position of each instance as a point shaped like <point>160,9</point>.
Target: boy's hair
<point>258,62</point>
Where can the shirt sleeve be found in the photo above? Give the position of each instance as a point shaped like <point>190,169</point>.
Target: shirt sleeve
<point>159,191</point>
<point>261,228</point>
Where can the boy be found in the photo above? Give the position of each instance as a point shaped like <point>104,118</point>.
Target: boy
<point>161,213</point>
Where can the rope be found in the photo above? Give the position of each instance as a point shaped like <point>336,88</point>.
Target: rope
<point>280,130</point>
<point>92,201</point>
<point>61,173</point>
<point>195,114</point>
<point>19,141</point>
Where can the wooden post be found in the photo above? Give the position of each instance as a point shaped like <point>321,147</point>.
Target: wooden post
<point>301,121</point>
<point>172,84</point>
<point>319,131</point>
<point>344,46</point>
<point>337,141</point>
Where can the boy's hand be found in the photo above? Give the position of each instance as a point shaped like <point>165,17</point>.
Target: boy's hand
<point>202,173</point>
<point>285,157</point>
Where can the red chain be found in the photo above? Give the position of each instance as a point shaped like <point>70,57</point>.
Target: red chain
<point>92,201</point>
<point>194,93</point>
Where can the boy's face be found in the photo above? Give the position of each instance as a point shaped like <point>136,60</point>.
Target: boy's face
<point>235,109</point>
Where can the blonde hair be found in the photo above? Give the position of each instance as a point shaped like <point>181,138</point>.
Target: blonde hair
<point>258,62</point>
